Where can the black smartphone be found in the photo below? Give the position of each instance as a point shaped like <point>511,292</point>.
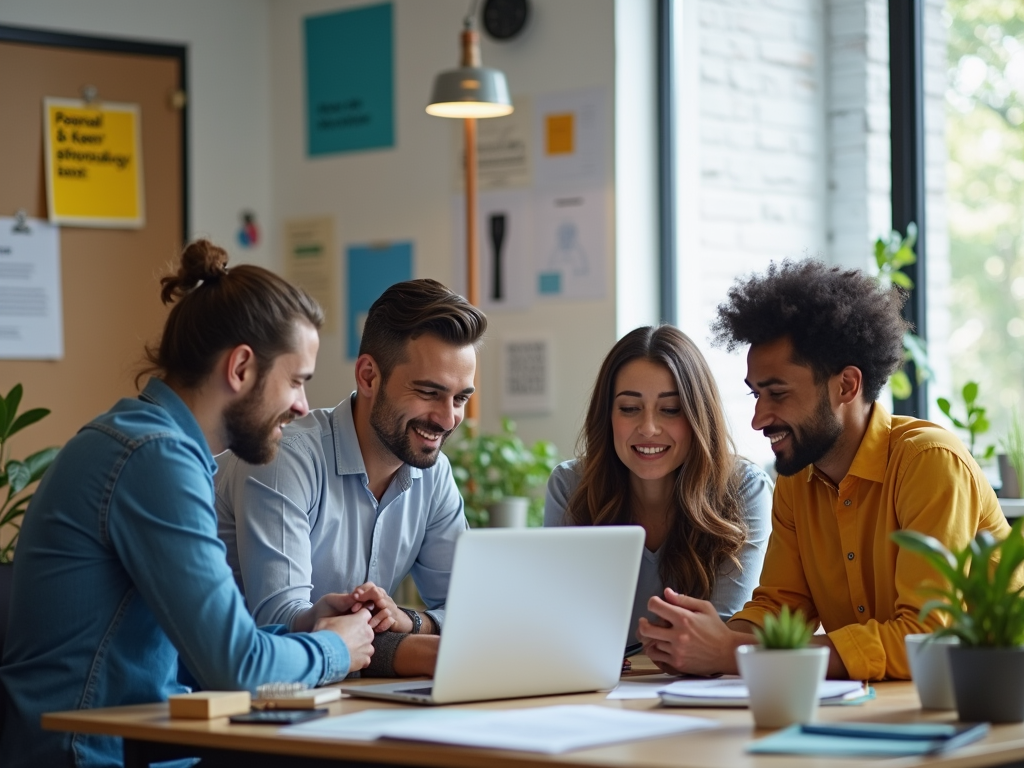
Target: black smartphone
<point>633,649</point>
<point>278,716</point>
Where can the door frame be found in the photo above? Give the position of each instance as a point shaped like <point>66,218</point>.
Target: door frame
<point>43,37</point>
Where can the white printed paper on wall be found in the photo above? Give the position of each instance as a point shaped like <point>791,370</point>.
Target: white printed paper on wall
<point>569,133</point>
<point>571,248</point>
<point>506,237</point>
<point>31,311</point>
<point>527,376</point>
<point>504,149</point>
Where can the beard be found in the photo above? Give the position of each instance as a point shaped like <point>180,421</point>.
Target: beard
<point>810,441</point>
<point>393,433</point>
<point>251,435</point>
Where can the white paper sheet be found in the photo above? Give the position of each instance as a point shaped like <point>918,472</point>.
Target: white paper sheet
<point>733,690</point>
<point>543,729</point>
<point>31,305</point>
<point>647,687</point>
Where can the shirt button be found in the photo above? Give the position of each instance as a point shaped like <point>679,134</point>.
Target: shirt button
<point>860,609</point>
<point>849,555</point>
<point>847,503</point>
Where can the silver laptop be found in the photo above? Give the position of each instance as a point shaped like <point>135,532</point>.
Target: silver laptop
<point>529,613</point>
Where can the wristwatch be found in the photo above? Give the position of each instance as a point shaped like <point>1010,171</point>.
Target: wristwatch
<point>417,621</point>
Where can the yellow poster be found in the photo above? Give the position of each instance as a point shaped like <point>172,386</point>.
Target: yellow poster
<point>93,163</point>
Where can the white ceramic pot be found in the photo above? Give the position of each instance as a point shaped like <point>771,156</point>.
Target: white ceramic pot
<point>929,669</point>
<point>510,512</point>
<point>783,684</point>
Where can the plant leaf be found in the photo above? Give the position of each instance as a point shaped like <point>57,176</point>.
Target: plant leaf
<point>18,475</point>
<point>970,392</point>
<point>40,461</point>
<point>28,418</point>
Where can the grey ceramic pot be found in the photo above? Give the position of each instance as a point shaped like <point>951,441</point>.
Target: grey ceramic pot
<point>989,684</point>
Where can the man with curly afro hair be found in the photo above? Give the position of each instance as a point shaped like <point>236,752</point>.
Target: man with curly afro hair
<point>822,343</point>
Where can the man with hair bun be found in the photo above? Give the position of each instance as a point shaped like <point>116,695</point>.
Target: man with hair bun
<point>360,495</point>
<point>119,571</point>
<point>822,343</point>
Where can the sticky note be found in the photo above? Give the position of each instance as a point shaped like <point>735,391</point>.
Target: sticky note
<point>559,134</point>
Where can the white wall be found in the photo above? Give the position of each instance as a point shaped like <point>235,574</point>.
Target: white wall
<point>229,106</point>
<point>753,163</point>
<point>406,192</point>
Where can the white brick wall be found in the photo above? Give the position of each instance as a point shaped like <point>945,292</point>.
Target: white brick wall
<point>791,157</point>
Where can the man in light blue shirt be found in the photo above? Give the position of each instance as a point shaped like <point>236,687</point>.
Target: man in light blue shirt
<point>119,569</point>
<point>360,495</point>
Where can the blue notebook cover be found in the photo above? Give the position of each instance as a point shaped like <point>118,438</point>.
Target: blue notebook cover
<point>869,739</point>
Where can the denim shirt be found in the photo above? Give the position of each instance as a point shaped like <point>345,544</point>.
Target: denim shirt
<point>117,571</point>
<point>307,523</point>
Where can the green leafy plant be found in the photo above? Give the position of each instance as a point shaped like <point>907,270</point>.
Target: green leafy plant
<point>489,468</point>
<point>787,631</point>
<point>984,607</point>
<point>1013,445</point>
<point>975,422</point>
<point>892,254</point>
<point>17,476</point>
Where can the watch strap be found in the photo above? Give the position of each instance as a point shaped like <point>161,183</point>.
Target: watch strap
<point>417,620</point>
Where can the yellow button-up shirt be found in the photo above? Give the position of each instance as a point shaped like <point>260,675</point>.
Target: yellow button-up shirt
<point>830,553</point>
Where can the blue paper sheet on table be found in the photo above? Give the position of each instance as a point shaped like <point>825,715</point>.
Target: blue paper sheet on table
<point>869,739</point>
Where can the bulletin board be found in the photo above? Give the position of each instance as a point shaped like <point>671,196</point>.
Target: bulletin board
<point>110,277</point>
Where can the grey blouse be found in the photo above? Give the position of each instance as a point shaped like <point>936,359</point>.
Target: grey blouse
<point>733,585</point>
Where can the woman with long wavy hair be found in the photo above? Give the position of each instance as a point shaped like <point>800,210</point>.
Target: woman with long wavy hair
<point>655,452</point>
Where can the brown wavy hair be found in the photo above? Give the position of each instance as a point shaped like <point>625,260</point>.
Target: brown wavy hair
<point>707,527</point>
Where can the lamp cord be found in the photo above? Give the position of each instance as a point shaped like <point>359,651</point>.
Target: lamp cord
<point>470,21</point>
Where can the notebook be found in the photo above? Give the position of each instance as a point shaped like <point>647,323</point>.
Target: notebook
<point>731,691</point>
<point>531,612</point>
<point>869,739</point>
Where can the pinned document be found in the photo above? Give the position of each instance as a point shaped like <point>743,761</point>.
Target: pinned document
<point>31,312</point>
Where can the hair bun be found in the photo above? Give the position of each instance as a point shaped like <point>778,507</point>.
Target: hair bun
<point>201,261</point>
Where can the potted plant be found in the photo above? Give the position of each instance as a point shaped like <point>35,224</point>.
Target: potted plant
<point>499,477</point>
<point>17,477</point>
<point>1011,467</point>
<point>782,671</point>
<point>982,601</point>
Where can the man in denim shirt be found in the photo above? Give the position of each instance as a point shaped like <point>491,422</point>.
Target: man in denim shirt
<point>360,495</point>
<point>119,568</point>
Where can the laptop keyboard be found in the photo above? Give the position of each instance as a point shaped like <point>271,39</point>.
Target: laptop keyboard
<point>418,691</point>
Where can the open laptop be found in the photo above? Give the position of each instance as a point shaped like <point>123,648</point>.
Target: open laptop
<point>531,612</point>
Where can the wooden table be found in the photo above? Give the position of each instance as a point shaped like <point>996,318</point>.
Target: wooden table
<point>150,735</point>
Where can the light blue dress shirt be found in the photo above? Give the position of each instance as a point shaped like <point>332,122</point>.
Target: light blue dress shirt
<point>307,524</point>
<point>733,585</point>
<point>118,570</point>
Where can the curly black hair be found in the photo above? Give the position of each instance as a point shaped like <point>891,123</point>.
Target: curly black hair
<point>833,317</point>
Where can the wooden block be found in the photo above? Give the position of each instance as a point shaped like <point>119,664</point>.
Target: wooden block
<point>206,705</point>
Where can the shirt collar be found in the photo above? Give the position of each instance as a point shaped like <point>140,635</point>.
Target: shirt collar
<point>873,453</point>
<point>348,456</point>
<point>157,392</point>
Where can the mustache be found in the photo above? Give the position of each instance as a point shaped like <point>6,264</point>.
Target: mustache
<point>429,426</point>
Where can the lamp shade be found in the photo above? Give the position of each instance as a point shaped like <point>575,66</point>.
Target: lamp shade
<point>470,92</point>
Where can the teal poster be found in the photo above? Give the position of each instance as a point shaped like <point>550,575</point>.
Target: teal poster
<point>350,89</point>
<point>372,269</point>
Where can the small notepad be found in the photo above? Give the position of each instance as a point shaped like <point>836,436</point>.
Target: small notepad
<point>869,739</point>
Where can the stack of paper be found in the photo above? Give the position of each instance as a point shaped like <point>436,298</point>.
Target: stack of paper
<point>542,729</point>
<point>732,692</point>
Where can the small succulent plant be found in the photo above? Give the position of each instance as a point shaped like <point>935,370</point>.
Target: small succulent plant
<point>787,631</point>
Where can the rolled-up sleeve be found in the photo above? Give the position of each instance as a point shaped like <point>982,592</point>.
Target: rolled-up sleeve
<point>272,506</point>
<point>432,570</point>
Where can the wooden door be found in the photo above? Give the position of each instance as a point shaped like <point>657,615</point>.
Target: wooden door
<point>110,277</point>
